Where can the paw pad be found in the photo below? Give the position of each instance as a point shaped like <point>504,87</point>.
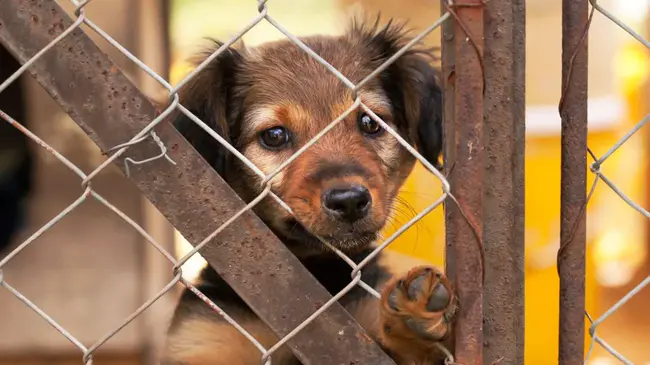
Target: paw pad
<point>423,301</point>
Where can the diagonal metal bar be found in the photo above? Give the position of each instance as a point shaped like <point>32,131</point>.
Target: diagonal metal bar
<point>191,195</point>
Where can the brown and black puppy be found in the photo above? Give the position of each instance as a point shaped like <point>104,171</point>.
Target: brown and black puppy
<point>268,102</point>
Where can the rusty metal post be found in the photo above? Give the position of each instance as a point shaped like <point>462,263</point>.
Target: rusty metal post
<point>448,79</point>
<point>464,154</point>
<point>503,205</point>
<point>573,111</point>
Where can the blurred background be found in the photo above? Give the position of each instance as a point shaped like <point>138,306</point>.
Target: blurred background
<point>92,270</point>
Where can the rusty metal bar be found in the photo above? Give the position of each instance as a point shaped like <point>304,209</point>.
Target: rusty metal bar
<point>645,110</point>
<point>573,111</point>
<point>503,205</point>
<point>465,161</point>
<point>448,83</point>
<point>110,109</point>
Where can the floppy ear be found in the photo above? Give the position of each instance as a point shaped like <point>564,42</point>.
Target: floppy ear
<point>411,83</point>
<point>211,96</point>
<point>425,104</point>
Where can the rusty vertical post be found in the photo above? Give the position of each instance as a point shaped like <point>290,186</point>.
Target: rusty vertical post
<point>464,152</point>
<point>503,206</point>
<point>573,111</point>
<point>644,110</point>
<point>447,79</point>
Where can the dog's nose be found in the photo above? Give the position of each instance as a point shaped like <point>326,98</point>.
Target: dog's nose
<point>348,204</point>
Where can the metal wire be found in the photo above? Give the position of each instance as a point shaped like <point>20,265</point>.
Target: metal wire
<point>86,179</point>
<point>595,168</point>
<point>355,104</point>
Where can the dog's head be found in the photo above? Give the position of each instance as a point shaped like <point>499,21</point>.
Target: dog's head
<point>271,100</point>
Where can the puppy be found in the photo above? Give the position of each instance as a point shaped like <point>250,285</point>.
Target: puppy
<point>268,102</point>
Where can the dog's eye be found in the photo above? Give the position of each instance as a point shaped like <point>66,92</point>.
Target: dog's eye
<point>368,125</point>
<point>274,138</point>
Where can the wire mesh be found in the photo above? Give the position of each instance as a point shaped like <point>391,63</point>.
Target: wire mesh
<point>147,132</point>
<point>264,16</point>
<point>595,168</point>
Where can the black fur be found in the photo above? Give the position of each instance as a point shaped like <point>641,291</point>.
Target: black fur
<point>332,272</point>
<point>17,174</point>
<point>217,106</point>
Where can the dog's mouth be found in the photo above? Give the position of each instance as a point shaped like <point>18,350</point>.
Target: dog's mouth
<point>344,240</point>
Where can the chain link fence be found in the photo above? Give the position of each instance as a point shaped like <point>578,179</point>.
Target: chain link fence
<point>142,144</point>
<point>595,168</point>
<point>28,30</point>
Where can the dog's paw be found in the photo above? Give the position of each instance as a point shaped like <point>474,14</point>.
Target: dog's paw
<point>420,305</point>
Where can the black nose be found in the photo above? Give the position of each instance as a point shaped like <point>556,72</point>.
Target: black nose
<point>348,204</point>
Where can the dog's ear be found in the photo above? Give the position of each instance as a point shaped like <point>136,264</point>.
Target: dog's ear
<point>411,82</point>
<point>211,96</point>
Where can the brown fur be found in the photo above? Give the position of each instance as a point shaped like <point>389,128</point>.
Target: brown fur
<point>243,93</point>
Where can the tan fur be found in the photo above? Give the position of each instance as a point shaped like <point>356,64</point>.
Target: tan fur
<point>208,342</point>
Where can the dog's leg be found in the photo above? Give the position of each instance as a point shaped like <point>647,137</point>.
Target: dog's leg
<point>197,341</point>
<point>415,313</point>
<point>200,336</point>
